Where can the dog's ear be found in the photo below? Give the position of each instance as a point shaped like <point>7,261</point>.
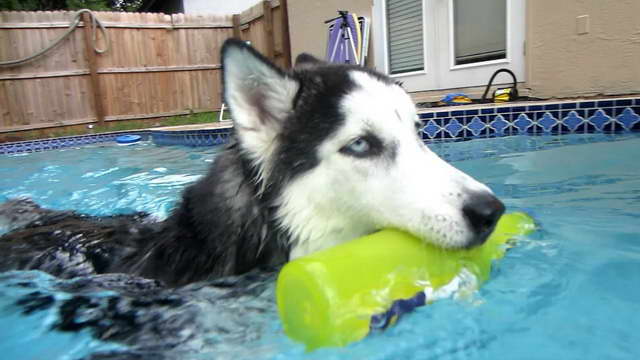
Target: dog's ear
<point>306,59</point>
<point>259,95</point>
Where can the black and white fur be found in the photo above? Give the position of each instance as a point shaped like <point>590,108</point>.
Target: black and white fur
<point>322,154</point>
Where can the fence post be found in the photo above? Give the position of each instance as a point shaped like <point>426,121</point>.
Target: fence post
<point>286,40</point>
<point>268,31</point>
<point>93,68</point>
<point>236,26</point>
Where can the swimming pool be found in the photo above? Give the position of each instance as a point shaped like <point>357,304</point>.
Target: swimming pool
<point>569,291</point>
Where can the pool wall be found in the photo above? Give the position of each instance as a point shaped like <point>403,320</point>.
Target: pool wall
<point>440,124</point>
<point>207,137</point>
<point>65,142</point>
<point>565,117</point>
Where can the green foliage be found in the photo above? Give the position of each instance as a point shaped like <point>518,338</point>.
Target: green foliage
<point>97,5</point>
<point>32,5</point>
<point>46,5</point>
<point>125,5</point>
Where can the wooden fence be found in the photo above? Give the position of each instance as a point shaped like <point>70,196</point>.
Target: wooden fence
<point>157,65</point>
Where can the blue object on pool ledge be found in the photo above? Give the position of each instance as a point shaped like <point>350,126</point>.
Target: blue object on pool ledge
<point>128,139</point>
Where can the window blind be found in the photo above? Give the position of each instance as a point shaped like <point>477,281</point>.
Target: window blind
<point>405,36</point>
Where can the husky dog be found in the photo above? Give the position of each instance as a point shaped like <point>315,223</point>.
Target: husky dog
<point>322,154</point>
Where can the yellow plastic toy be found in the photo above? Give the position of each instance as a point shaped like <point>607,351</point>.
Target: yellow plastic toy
<point>329,298</point>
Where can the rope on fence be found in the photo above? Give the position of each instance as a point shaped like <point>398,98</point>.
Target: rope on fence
<point>95,23</point>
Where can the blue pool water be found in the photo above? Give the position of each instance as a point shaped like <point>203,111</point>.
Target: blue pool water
<point>570,291</point>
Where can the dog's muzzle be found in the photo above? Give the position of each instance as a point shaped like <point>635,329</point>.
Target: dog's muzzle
<point>482,211</point>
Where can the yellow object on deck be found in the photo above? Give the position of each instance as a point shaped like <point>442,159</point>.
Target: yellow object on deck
<point>328,298</point>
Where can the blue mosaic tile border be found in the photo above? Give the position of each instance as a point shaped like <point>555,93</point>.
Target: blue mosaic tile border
<point>584,116</point>
<point>64,142</point>
<point>208,137</point>
<point>578,117</point>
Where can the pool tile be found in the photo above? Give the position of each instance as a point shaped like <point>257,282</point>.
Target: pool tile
<point>587,104</point>
<point>572,121</point>
<point>431,129</point>
<point>554,114</point>
<point>618,111</point>
<point>591,112</point>
<point>476,126</point>
<point>522,123</point>
<point>453,127</point>
<point>604,103</point>
<point>547,122</point>
<point>628,119</point>
<point>610,111</point>
<point>609,127</point>
<point>599,119</point>
<point>499,124</point>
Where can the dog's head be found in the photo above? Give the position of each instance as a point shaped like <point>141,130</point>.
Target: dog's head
<point>338,149</point>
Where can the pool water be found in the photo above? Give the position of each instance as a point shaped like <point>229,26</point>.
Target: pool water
<point>105,179</point>
<point>569,291</point>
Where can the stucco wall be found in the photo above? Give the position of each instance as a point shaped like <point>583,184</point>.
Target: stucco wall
<point>307,29</point>
<point>562,63</point>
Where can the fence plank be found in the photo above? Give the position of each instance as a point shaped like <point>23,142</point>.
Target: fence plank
<point>44,75</point>
<point>268,30</point>
<point>93,68</point>
<point>236,26</point>
<point>284,31</point>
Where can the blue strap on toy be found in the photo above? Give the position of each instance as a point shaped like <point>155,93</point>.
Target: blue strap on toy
<point>380,322</point>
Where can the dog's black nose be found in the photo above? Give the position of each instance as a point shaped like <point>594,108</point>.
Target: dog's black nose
<point>482,211</point>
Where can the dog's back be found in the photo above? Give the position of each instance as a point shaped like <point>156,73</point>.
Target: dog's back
<point>66,243</point>
<point>219,228</point>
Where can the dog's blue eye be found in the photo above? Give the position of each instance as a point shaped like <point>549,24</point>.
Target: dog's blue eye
<point>367,145</point>
<point>359,146</point>
<point>364,146</point>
